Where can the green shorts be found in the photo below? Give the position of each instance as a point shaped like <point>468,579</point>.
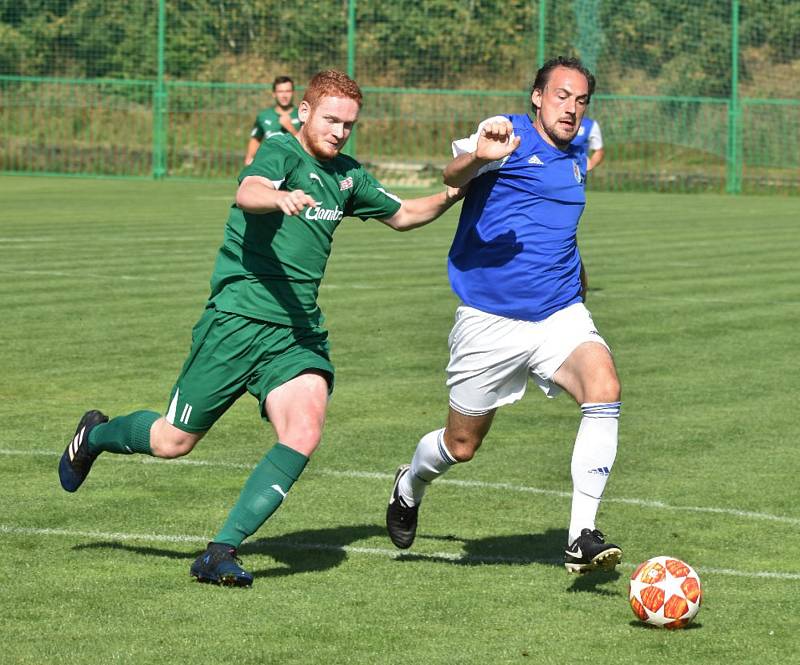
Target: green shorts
<point>232,354</point>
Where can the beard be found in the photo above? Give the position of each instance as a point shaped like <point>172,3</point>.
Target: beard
<point>321,149</point>
<point>559,133</point>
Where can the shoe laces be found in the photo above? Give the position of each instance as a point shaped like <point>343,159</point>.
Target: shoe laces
<point>227,551</point>
<point>232,553</point>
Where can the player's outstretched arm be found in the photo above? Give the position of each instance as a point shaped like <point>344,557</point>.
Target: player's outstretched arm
<point>258,195</point>
<point>496,140</point>
<point>418,212</point>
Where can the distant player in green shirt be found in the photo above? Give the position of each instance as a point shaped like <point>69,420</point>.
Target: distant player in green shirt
<point>276,120</point>
<point>261,331</point>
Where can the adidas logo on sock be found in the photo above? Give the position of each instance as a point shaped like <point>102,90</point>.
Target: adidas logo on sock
<point>602,470</point>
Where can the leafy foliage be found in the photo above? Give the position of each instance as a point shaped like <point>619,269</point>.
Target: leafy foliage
<point>674,47</point>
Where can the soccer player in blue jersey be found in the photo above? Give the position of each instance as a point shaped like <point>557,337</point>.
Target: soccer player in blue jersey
<point>514,263</point>
<point>590,139</point>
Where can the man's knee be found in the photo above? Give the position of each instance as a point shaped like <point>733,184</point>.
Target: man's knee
<point>168,442</point>
<point>604,388</point>
<point>303,436</point>
<point>297,409</point>
<point>462,445</point>
<point>464,434</point>
<point>589,375</point>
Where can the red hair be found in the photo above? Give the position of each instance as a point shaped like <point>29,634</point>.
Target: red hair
<point>332,83</point>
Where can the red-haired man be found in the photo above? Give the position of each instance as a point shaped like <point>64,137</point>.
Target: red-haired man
<point>261,331</point>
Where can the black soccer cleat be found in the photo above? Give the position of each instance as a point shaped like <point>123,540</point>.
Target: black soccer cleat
<point>77,460</point>
<point>401,520</point>
<point>591,552</point>
<point>220,565</point>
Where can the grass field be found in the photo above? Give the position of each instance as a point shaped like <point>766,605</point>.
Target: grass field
<point>698,295</point>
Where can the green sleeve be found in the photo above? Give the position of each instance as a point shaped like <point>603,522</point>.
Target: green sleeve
<point>258,131</point>
<point>273,164</point>
<point>370,199</point>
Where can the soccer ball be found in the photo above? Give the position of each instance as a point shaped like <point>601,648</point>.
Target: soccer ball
<point>665,591</point>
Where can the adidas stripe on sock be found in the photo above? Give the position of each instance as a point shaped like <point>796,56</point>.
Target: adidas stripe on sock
<point>592,460</point>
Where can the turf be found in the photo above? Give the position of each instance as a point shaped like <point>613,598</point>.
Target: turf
<point>698,296</point>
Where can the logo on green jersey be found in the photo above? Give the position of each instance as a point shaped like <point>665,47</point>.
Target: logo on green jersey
<point>334,215</point>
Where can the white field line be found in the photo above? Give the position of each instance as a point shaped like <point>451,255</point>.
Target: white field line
<point>80,275</point>
<point>12,530</point>
<point>469,484</point>
<point>27,239</point>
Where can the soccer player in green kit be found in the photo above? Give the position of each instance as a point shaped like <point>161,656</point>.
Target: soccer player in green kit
<point>276,120</point>
<point>261,329</point>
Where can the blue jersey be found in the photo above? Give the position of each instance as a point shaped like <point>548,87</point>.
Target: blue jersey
<point>515,252</point>
<point>588,136</point>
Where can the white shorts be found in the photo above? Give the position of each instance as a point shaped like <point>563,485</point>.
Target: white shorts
<point>491,357</point>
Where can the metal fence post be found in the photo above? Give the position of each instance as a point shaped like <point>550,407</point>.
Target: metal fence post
<point>350,147</point>
<point>160,100</point>
<point>540,46</point>
<point>733,183</point>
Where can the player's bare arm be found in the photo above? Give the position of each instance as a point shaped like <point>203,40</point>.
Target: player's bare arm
<point>258,195</point>
<point>414,213</point>
<point>252,149</point>
<point>597,157</point>
<point>496,141</point>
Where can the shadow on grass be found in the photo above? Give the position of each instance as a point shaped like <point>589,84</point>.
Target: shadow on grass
<point>316,550</point>
<point>592,583</point>
<point>500,550</point>
<point>647,626</point>
<point>520,549</point>
<point>312,550</point>
<point>308,551</point>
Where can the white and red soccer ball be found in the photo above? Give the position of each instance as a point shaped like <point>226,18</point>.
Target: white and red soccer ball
<point>665,591</point>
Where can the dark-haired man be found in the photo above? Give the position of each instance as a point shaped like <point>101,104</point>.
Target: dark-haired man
<point>276,120</point>
<point>514,263</point>
<point>261,331</point>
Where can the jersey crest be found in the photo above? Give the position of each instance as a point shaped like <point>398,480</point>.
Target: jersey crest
<point>576,171</point>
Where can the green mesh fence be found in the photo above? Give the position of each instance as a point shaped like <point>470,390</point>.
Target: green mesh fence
<point>693,95</point>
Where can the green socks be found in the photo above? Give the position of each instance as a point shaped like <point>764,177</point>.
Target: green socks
<point>124,435</point>
<point>262,494</point>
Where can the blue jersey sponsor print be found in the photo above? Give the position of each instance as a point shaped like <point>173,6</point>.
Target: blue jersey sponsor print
<point>515,252</point>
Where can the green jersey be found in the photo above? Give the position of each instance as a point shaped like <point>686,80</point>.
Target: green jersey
<point>268,124</point>
<point>270,265</point>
